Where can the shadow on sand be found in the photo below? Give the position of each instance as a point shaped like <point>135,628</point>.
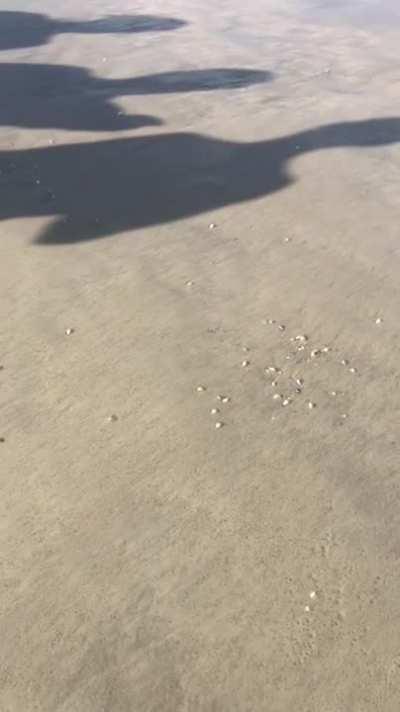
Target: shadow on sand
<point>57,96</point>
<point>27,29</point>
<point>100,189</point>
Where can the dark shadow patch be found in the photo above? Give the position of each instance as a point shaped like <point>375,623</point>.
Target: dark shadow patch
<point>100,189</point>
<point>194,80</point>
<point>27,29</point>
<point>57,96</point>
<point>46,96</point>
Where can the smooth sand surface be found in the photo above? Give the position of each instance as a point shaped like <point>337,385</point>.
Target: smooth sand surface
<point>151,561</point>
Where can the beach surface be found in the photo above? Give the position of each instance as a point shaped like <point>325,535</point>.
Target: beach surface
<point>199,352</point>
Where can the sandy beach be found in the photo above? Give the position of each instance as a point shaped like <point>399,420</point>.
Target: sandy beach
<point>199,356</point>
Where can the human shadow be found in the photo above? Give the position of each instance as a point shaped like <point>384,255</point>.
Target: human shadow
<point>100,189</point>
<point>57,96</point>
<point>28,29</point>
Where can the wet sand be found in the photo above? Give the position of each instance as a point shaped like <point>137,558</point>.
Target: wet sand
<point>199,345</point>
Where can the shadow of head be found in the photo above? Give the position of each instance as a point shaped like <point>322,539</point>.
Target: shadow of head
<point>364,133</point>
<point>27,29</point>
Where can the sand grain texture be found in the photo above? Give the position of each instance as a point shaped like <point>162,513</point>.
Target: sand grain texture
<point>151,561</point>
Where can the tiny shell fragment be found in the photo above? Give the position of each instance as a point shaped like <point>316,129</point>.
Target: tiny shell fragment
<point>281,327</point>
<point>315,353</point>
<point>277,396</point>
<point>286,402</point>
<point>301,337</point>
<point>112,418</point>
<point>69,331</point>
<point>379,320</point>
<point>218,424</point>
<point>273,369</point>
<point>344,362</point>
<point>353,370</point>
<point>200,389</point>
<point>223,399</point>
<point>214,411</point>
<point>311,405</point>
<point>212,226</point>
<point>313,594</point>
<point>245,364</point>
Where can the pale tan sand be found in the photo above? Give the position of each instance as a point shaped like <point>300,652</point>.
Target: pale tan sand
<point>152,561</point>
